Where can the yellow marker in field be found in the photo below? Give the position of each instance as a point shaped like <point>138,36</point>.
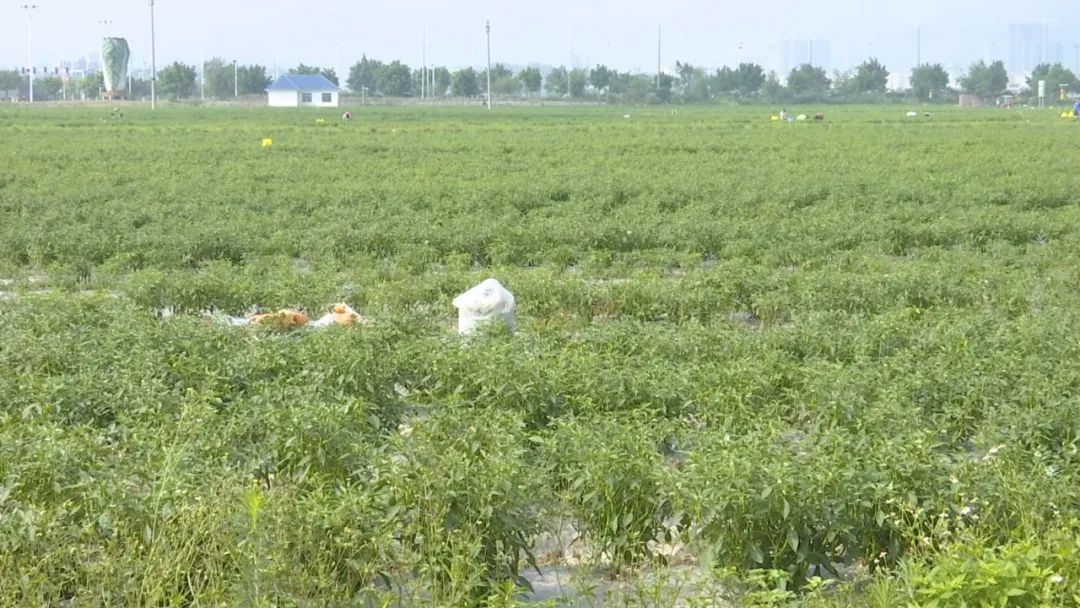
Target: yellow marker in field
<point>774,118</point>
<point>267,142</point>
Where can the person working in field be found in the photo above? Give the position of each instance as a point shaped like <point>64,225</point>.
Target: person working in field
<point>1076,108</point>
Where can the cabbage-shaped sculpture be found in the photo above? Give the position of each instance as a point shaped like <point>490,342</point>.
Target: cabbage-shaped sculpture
<point>114,64</point>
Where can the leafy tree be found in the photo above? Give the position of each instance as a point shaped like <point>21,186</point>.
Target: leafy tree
<point>929,81</point>
<point>140,87</point>
<point>429,87</point>
<point>465,83</point>
<point>443,80</point>
<point>577,80</point>
<point>10,80</point>
<point>620,83</point>
<point>1055,76</point>
<point>745,80</point>
<point>687,73</point>
<point>507,86</point>
<point>635,88</point>
<point>48,87</point>
<point>641,88</point>
<point>329,73</point>
<point>749,78</point>
<point>418,77</point>
<point>843,83</point>
<point>870,77</point>
<point>91,84</point>
<point>694,85</point>
<point>807,80</point>
<point>498,71</point>
<point>773,90</point>
<point>985,80</point>
<point>726,80</point>
<point>394,80</point>
<point>177,81</point>
<point>667,84</point>
<point>253,79</point>
<point>219,78</point>
<point>558,81</point>
<point>531,78</point>
<point>600,77</point>
<point>363,74</point>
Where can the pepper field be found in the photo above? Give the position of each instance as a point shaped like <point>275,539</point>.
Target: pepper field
<point>833,363</point>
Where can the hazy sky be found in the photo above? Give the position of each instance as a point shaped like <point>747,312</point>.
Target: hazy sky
<point>572,32</point>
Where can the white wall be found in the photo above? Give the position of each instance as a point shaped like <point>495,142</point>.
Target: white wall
<point>294,99</point>
<point>284,99</point>
<point>317,102</point>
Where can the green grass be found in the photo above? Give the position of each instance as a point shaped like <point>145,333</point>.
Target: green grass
<point>776,346</point>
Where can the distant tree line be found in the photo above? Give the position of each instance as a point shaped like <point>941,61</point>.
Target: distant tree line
<point>744,83</point>
<point>175,81</point>
<point>747,82</point>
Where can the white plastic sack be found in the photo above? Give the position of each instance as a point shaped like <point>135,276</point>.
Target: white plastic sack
<point>488,301</point>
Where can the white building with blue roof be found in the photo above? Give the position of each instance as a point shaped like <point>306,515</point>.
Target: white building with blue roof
<point>303,90</point>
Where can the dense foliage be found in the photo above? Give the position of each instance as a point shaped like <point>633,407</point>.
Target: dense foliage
<point>782,349</point>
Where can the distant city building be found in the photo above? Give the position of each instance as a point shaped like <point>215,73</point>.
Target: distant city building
<point>1029,45</point>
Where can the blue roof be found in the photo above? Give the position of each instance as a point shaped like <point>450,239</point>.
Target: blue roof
<point>306,83</point>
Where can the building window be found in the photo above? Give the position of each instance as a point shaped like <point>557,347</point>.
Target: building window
<point>327,97</point>
<point>305,98</point>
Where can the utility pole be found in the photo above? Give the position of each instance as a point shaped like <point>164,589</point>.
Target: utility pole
<point>487,28</point>
<point>423,63</point>
<point>918,47</point>
<point>202,70</point>
<point>29,8</point>
<point>658,58</point>
<point>153,61</point>
<point>277,58</point>
<point>235,80</point>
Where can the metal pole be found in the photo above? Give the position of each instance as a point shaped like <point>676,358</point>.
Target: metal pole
<point>423,63</point>
<point>487,28</point>
<point>658,58</point>
<point>30,44</point>
<point>153,60</point>
<point>918,47</point>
